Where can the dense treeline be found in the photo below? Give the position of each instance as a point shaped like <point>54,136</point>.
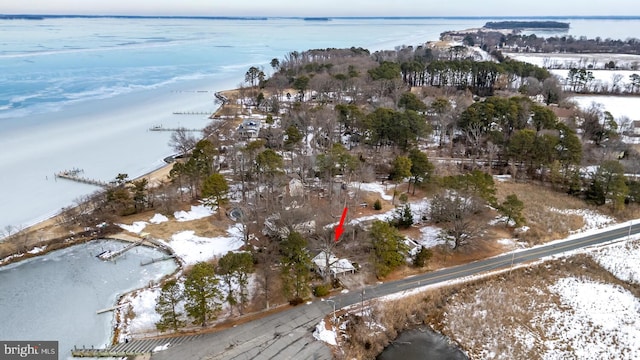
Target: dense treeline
<point>490,40</point>
<point>323,70</point>
<point>526,25</point>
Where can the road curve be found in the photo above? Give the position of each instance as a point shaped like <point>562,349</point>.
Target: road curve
<point>288,334</point>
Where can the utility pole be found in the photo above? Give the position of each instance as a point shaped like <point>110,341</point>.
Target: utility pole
<point>334,310</point>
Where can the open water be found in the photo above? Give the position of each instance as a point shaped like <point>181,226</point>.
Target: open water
<point>55,297</point>
<point>421,344</point>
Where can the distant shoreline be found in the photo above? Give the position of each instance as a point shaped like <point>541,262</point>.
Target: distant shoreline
<point>263,18</point>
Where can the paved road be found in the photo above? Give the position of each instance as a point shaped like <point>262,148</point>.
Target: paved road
<point>287,335</point>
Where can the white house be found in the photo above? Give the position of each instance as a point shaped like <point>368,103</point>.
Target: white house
<point>250,128</point>
<point>336,266</point>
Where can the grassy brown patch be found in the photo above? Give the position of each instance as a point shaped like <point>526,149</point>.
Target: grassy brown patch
<point>545,224</point>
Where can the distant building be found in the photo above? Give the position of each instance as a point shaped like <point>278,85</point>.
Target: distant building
<point>635,131</point>
<point>249,129</point>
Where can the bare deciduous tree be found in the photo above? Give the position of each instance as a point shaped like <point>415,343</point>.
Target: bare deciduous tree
<point>455,212</point>
<point>182,141</point>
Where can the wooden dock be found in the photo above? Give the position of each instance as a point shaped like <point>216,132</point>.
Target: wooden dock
<point>133,347</point>
<point>153,261</point>
<point>162,128</point>
<point>111,255</point>
<point>111,308</point>
<point>208,113</point>
<point>74,175</point>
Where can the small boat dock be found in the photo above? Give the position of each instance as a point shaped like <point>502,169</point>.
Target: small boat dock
<point>75,175</point>
<point>109,255</point>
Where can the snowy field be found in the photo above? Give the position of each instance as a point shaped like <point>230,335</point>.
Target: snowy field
<point>602,78</point>
<point>621,259</point>
<point>618,106</point>
<point>593,321</point>
<point>193,249</point>
<point>597,61</point>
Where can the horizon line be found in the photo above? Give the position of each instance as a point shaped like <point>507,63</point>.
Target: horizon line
<point>256,17</point>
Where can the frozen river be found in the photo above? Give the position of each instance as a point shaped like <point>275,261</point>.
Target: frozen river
<point>56,296</point>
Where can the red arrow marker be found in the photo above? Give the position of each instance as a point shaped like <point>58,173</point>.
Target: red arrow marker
<point>340,228</point>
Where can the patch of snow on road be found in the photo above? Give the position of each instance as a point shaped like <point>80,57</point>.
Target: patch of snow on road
<point>321,333</point>
<point>193,249</point>
<point>196,212</point>
<point>158,219</point>
<point>161,347</point>
<point>372,187</point>
<point>594,321</point>
<point>621,260</point>
<point>136,227</point>
<point>592,219</point>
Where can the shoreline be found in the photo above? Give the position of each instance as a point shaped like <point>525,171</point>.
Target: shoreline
<point>52,237</point>
<point>59,239</point>
<point>70,141</point>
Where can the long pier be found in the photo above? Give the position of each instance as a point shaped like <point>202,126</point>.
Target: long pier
<point>111,308</point>
<point>133,347</point>
<point>161,128</point>
<point>74,175</point>
<point>208,113</point>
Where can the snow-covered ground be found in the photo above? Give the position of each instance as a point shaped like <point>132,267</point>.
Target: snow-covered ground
<point>372,187</point>
<point>136,227</point>
<point>597,61</point>
<point>158,219</point>
<point>592,219</point>
<point>192,248</point>
<point>430,237</point>
<point>593,321</point>
<point>142,304</point>
<point>196,212</point>
<point>618,106</point>
<point>602,77</point>
<point>323,334</point>
<point>621,259</point>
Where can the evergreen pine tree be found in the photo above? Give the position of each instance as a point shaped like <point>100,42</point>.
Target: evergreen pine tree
<point>202,293</point>
<point>167,306</point>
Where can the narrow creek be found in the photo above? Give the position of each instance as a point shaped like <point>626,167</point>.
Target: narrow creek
<point>421,344</point>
